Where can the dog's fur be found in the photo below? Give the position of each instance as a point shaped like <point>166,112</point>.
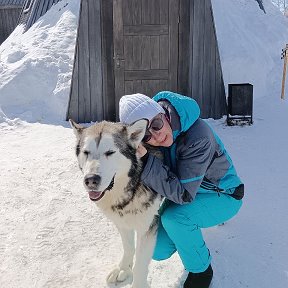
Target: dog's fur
<point>107,156</point>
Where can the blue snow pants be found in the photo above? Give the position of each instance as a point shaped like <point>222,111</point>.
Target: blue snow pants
<point>180,228</point>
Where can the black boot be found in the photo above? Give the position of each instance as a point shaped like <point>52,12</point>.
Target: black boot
<point>199,280</point>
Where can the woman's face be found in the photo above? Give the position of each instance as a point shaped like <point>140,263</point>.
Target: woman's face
<point>160,137</point>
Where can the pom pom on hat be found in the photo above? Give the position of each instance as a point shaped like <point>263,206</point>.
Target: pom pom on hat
<point>137,106</point>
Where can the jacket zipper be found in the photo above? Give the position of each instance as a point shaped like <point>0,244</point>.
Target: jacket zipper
<point>208,185</point>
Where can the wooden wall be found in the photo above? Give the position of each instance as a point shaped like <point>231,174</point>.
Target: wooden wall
<point>86,102</point>
<point>200,72</point>
<point>92,96</point>
<point>206,84</point>
<point>38,9</point>
<point>9,15</point>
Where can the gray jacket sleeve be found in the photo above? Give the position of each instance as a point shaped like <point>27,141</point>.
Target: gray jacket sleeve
<point>158,177</point>
<point>192,164</point>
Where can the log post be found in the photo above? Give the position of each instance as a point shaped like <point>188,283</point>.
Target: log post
<point>284,56</point>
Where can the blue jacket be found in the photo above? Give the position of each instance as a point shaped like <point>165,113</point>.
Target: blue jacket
<point>197,161</point>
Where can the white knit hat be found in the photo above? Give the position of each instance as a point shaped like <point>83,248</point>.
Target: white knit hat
<point>137,106</point>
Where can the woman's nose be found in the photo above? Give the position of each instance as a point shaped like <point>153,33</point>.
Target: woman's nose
<point>155,134</point>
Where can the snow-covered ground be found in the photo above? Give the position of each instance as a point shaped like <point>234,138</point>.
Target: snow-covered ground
<point>52,235</point>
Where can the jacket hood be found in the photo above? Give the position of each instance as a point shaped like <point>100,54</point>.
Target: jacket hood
<point>187,108</point>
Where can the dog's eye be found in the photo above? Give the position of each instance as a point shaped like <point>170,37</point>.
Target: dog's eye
<point>86,153</point>
<point>109,153</point>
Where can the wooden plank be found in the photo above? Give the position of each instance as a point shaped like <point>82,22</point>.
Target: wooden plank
<point>32,14</point>
<point>136,10</point>
<point>191,43</point>
<point>146,30</point>
<point>163,86</point>
<point>84,67</point>
<point>9,7</point>
<point>127,12</point>
<point>128,53</point>
<point>73,109</point>
<point>40,7</point>
<point>2,29</point>
<point>9,21</point>
<point>220,105</point>
<point>153,86</point>
<point>51,3</point>
<point>198,43</point>
<point>146,88</point>
<point>129,87</point>
<point>145,53</point>
<point>173,43</point>
<point>3,26</point>
<point>45,7</point>
<point>17,13</point>
<point>207,64</point>
<point>184,48</point>
<point>137,87</point>
<point>154,8</point>
<point>146,75</point>
<point>107,60</point>
<point>38,12</point>
<point>164,52</point>
<point>5,18</point>
<point>155,51</point>
<point>94,18</point>
<point>136,53</point>
<point>164,12</point>
<point>145,12</point>
<point>213,98</point>
<point>118,52</point>
<point>25,16</point>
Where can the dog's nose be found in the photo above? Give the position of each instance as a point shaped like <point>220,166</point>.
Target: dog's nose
<point>92,180</point>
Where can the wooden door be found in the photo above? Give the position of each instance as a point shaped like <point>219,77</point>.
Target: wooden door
<point>145,36</point>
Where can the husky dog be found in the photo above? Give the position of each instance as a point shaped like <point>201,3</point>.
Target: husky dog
<point>107,156</point>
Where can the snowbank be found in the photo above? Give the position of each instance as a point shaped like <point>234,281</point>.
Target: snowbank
<point>36,66</point>
<point>250,44</point>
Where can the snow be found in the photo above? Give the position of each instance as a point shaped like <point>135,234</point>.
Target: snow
<point>36,66</point>
<point>52,235</point>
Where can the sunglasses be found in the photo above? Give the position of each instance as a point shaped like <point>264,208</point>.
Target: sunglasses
<point>155,125</point>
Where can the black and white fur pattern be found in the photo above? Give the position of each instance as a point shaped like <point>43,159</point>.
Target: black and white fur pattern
<point>107,156</point>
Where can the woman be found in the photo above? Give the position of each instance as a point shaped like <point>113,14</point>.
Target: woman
<point>197,177</point>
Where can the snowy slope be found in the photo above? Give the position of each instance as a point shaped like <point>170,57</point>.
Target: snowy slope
<point>36,66</point>
<point>250,44</point>
<point>52,235</point>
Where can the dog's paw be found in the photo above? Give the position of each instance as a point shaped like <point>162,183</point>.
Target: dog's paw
<point>118,275</point>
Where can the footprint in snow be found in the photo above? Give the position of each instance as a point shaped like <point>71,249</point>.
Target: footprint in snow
<point>15,56</point>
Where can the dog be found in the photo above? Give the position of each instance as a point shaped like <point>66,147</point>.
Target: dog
<point>107,156</point>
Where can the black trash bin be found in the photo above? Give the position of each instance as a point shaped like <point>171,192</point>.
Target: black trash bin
<point>240,104</point>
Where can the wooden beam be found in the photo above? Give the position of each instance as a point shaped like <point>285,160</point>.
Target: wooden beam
<point>284,56</point>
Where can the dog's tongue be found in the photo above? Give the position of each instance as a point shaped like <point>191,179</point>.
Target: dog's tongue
<point>95,195</point>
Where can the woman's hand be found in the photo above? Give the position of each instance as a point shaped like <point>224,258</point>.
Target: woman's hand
<point>141,150</point>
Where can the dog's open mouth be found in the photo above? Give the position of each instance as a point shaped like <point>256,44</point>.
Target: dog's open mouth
<point>97,195</point>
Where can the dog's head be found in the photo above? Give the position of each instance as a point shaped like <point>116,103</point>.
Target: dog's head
<point>107,151</point>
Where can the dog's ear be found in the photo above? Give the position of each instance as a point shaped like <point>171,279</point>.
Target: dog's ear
<point>136,131</point>
<point>77,128</point>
